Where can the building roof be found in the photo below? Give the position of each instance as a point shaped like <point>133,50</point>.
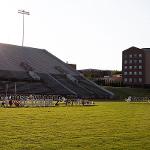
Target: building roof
<point>133,47</point>
<point>146,49</point>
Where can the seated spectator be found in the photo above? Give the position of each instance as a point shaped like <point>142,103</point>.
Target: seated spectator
<point>3,104</point>
<point>10,102</point>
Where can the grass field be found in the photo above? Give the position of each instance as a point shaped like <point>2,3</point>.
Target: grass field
<point>124,92</point>
<point>109,125</point>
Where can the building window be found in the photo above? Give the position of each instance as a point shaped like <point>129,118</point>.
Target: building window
<point>140,73</point>
<point>135,73</point>
<point>125,73</point>
<point>140,80</point>
<point>135,67</point>
<point>125,67</point>
<point>130,56</point>
<point>130,73</point>
<point>140,61</point>
<point>125,61</point>
<point>125,80</point>
<point>135,80</point>
<point>135,61</point>
<point>140,55</point>
<point>125,56</point>
<point>135,55</point>
<point>140,67</point>
<point>130,67</point>
<point>130,61</point>
<point>130,80</point>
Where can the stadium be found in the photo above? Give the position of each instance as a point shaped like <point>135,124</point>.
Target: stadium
<point>26,70</point>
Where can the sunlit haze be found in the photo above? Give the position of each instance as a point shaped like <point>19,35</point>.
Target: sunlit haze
<point>89,33</point>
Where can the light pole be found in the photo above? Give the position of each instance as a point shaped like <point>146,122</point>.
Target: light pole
<point>23,12</point>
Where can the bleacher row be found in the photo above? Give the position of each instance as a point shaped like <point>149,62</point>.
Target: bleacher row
<point>39,59</point>
<point>51,87</point>
<point>81,88</point>
<point>54,84</point>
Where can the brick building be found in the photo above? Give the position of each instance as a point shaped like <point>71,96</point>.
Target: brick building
<point>135,66</point>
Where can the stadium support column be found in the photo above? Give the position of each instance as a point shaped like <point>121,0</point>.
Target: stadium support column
<point>6,90</point>
<point>23,12</point>
<point>15,89</point>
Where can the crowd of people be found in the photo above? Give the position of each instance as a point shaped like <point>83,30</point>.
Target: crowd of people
<point>40,100</point>
<point>137,99</point>
<point>26,100</point>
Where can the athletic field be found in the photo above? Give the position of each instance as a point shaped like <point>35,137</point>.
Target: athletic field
<point>108,125</point>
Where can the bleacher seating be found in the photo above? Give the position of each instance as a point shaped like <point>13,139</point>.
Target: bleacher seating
<point>48,74</point>
<point>73,86</point>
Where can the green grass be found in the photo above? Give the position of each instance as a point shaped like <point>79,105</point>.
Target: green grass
<point>109,125</point>
<point>124,92</point>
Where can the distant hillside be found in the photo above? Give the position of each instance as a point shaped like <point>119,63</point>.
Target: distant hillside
<point>124,92</point>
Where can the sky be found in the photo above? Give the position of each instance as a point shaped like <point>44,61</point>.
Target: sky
<point>89,33</point>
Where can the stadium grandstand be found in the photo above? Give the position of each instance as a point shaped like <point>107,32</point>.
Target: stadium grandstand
<point>26,70</point>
